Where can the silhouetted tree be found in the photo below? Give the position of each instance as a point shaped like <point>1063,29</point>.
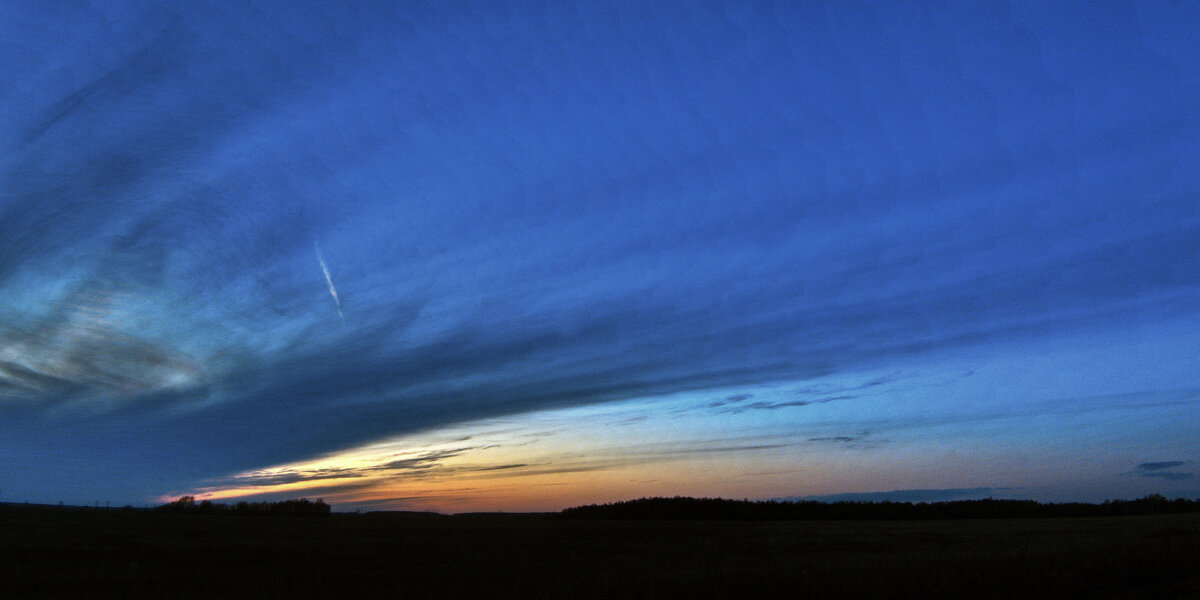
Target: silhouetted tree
<point>300,507</point>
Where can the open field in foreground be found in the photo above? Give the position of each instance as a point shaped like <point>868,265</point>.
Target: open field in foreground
<point>136,554</point>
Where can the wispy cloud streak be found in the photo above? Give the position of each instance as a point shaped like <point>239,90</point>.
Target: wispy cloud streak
<point>329,280</point>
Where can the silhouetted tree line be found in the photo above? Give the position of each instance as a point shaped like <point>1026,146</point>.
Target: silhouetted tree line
<point>292,508</point>
<point>720,509</point>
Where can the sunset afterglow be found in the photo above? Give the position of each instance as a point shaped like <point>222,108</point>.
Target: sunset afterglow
<point>524,256</point>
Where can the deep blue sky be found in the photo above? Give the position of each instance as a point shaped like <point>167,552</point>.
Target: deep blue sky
<point>591,251</point>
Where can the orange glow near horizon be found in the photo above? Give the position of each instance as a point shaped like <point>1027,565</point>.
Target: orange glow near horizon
<point>666,446</point>
<point>546,461</point>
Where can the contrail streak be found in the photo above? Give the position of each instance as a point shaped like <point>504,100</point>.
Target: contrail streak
<point>329,280</point>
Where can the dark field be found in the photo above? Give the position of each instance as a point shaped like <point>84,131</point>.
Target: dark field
<point>140,554</point>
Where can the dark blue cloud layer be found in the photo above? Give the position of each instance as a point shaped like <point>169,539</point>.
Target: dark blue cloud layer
<point>1162,470</point>
<point>551,205</point>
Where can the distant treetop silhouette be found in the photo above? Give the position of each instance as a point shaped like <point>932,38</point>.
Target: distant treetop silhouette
<point>302,507</point>
<point>720,509</point>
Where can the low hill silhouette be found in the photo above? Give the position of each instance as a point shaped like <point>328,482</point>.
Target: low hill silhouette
<point>720,509</point>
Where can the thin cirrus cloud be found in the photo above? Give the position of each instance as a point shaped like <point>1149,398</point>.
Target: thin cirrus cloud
<point>678,199</point>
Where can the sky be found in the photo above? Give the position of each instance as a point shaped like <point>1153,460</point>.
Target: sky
<point>523,256</point>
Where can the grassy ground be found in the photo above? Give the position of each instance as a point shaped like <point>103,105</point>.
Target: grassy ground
<point>134,554</point>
